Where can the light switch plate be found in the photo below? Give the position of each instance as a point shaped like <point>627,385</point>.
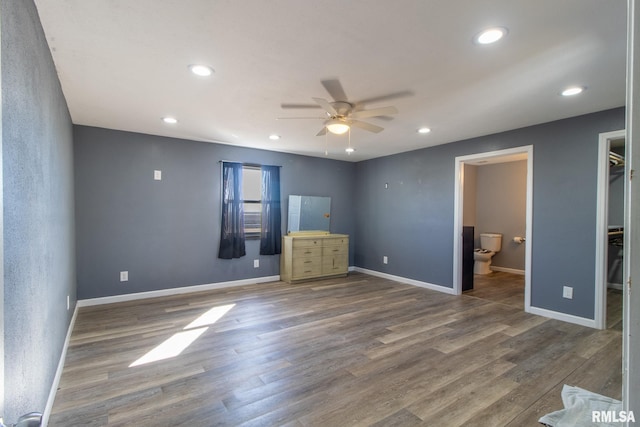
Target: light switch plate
<point>157,175</point>
<point>124,276</point>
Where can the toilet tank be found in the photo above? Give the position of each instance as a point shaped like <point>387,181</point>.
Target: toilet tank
<point>491,241</point>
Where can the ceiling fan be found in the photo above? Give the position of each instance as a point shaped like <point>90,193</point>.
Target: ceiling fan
<point>341,114</point>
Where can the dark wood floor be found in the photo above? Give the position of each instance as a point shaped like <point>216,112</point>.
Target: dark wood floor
<point>344,352</point>
<point>508,288</point>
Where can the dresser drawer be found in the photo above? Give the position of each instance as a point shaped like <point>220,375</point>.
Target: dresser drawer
<point>306,243</point>
<point>306,267</point>
<point>335,241</point>
<point>306,252</point>
<point>334,250</point>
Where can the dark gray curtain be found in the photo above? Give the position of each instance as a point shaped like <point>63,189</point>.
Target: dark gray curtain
<point>270,233</point>
<point>232,230</point>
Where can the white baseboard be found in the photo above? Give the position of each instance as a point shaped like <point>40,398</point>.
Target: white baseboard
<point>175,291</point>
<point>507,270</point>
<point>583,321</point>
<point>56,380</point>
<point>413,282</point>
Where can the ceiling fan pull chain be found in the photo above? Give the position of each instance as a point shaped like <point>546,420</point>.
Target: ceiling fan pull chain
<point>326,143</point>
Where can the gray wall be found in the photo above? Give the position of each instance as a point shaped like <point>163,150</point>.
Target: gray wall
<point>39,253</point>
<point>166,233</point>
<point>501,205</point>
<point>411,222</point>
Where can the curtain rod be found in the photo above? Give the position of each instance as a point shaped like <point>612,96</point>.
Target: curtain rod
<point>247,164</point>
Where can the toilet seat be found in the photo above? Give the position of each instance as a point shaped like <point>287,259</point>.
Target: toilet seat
<point>482,261</point>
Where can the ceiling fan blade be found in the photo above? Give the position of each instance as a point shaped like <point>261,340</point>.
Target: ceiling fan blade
<point>327,107</point>
<point>395,95</point>
<point>335,89</point>
<point>302,118</point>
<point>322,131</point>
<point>363,114</point>
<point>299,106</point>
<point>367,126</point>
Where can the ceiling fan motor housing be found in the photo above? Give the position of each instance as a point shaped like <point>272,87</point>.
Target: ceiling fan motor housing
<point>342,108</point>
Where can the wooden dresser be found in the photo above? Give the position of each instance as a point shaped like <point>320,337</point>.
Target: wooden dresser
<point>313,255</point>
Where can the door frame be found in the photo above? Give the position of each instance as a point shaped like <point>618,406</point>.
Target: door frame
<point>602,225</point>
<point>458,212</point>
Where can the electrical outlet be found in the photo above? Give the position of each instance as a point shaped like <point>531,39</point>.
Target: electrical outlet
<point>567,292</point>
<point>124,276</point>
<point>256,263</point>
<point>385,260</point>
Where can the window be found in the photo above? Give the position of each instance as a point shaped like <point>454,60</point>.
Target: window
<point>252,200</point>
<point>250,209</point>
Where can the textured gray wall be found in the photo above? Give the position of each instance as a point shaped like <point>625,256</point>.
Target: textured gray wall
<point>166,233</point>
<point>1,242</point>
<point>501,206</point>
<point>39,253</point>
<point>411,222</point>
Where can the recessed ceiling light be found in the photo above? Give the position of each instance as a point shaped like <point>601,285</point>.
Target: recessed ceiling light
<point>574,90</point>
<point>274,137</point>
<point>170,120</point>
<point>490,35</point>
<point>349,150</point>
<point>201,70</point>
<point>424,130</point>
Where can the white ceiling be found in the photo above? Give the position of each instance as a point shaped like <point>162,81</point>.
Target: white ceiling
<point>123,65</point>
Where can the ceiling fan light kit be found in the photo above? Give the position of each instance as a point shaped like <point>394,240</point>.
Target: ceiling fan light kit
<point>337,126</point>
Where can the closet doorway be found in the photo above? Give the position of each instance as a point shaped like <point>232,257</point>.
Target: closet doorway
<point>609,229</point>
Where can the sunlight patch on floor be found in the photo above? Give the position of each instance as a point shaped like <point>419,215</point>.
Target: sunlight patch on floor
<point>178,342</point>
<point>210,317</point>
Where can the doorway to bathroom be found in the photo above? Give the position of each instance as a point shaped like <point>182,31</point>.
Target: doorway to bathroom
<point>610,230</point>
<point>493,194</point>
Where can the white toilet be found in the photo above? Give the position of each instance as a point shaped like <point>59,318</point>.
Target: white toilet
<point>490,244</point>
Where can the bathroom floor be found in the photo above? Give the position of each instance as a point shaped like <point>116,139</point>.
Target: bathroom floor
<point>500,287</point>
<point>508,289</point>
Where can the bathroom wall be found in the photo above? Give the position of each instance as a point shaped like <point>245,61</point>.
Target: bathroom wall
<point>501,208</point>
<point>469,195</point>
